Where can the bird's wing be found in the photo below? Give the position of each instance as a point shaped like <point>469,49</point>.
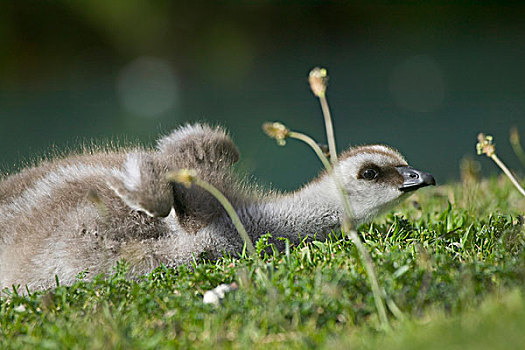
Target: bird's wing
<point>141,184</point>
<point>197,146</point>
<point>210,152</point>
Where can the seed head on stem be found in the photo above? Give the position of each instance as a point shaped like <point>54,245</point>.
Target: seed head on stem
<point>487,147</point>
<point>185,177</point>
<point>276,131</point>
<point>318,79</point>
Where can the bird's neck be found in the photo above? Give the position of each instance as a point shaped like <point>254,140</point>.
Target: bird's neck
<point>313,211</point>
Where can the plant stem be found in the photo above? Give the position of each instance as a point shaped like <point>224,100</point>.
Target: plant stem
<point>508,173</point>
<point>310,142</point>
<point>230,210</point>
<point>329,128</point>
<point>516,146</point>
<point>518,150</point>
<point>365,257</point>
<point>372,277</point>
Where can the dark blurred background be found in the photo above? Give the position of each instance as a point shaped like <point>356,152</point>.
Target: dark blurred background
<point>422,77</point>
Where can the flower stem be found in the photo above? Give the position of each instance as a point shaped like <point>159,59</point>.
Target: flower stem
<point>187,177</point>
<point>365,257</point>
<point>318,79</point>
<point>310,142</point>
<point>507,172</point>
<point>516,146</point>
<point>329,128</point>
<point>329,168</point>
<point>486,146</point>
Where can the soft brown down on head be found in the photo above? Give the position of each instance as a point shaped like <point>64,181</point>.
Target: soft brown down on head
<point>375,149</point>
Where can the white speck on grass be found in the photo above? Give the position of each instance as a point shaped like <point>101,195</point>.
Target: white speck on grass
<point>215,295</point>
<point>20,308</point>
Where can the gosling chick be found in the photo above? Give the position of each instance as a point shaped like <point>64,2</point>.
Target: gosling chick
<point>85,215</point>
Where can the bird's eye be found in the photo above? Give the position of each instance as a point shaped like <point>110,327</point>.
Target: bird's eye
<point>370,174</point>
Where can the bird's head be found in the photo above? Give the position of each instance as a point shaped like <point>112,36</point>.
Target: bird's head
<point>376,178</point>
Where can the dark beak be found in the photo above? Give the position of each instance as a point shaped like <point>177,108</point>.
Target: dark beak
<point>414,179</point>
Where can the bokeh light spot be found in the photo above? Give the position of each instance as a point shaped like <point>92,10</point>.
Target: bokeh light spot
<point>147,87</point>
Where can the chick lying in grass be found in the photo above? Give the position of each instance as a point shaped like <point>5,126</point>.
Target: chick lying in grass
<point>86,212</point>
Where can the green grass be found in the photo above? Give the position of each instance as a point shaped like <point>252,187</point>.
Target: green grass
<point>452,265</point>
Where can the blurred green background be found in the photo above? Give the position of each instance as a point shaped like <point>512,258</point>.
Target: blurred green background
<point>424,77</point>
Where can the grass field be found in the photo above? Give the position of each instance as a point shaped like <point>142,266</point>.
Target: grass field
<point>451,261</point>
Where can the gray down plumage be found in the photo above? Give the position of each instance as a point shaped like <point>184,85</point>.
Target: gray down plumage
<point>85,212</point>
